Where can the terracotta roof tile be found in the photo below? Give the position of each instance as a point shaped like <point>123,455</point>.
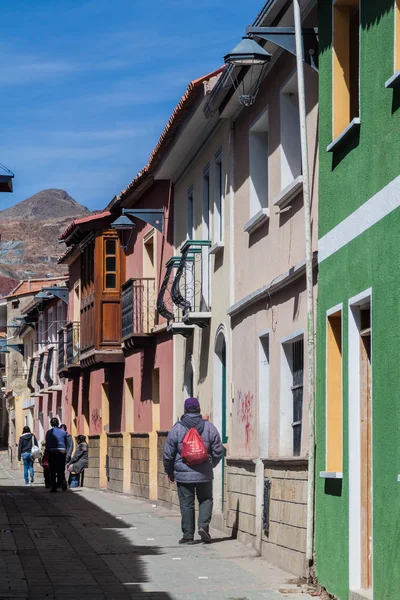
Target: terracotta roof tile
<point>169,130</point>
<point>78,222</point>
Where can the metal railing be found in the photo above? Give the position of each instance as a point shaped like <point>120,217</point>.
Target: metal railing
<point>61,349</point>
<point>138,306</point>
<point>190,289</point>
<point>72,336</point>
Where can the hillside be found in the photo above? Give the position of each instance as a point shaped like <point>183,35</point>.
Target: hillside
<point>55,203</point>
<point>29,232</point>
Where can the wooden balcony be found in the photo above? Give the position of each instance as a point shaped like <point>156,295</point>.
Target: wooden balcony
<point>138,312</point>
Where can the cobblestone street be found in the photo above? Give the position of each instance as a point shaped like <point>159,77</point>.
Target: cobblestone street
<point>93,544</point>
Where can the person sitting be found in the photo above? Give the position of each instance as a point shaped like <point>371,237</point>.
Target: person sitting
<point>79,461</point>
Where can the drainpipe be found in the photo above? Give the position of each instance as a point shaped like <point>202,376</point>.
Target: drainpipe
<point>309,280</point>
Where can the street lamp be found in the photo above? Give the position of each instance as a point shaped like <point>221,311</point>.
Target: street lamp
<point>124,227</point>
<point>251,55</point>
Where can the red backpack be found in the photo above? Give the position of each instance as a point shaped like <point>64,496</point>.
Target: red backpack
<point>193,449</point>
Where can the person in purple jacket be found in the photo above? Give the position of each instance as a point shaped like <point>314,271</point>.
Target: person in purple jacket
<point>56,449</point>
<point>197,479</point>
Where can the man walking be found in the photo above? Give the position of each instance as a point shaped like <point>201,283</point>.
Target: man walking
<point>70,443</point>
<point>192,479</point>
<point>56,449</point>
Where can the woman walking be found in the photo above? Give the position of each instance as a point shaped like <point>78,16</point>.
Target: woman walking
<point>26,441</point>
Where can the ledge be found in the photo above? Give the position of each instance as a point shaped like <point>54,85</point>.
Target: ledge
<point>230,460</point>
<point>160,328</point>
<point>217,247</point>
<point>394,81</point>
<point>255,222</point>
<point>330,475</point>
<point>290,191</point>
<point>139,435</point>
<point>274,286</point>
<point>289,461</point>
<point>346,133</point>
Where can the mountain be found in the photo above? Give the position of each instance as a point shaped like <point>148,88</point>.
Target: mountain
<point>29,233</point>
<point>54,203</point>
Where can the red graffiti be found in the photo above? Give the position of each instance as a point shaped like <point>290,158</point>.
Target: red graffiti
<point>96,418</point>
<point>245,415</point>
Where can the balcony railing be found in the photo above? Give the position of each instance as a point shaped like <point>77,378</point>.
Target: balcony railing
<point>72,335</point>
<point>190,289</point>
<point>138,307</point>
<point>61,349</point>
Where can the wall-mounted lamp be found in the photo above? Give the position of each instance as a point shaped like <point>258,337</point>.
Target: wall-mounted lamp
<point>124,227</point>
<point>251,55</point>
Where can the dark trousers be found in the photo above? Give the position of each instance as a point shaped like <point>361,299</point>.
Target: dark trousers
<point>57,468</point>
<point>186,494</point>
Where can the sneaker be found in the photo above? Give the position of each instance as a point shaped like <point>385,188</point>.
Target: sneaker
<point>64,485</point>
<point>205,535</point>
<point>188,541</point>
<point>32,479</point>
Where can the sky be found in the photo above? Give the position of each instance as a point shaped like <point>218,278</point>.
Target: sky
<point>87,86</point>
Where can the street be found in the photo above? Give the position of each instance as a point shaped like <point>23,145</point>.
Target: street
<point>93,544</point>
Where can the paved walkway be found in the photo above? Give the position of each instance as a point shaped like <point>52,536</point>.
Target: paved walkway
<point>88,544</point>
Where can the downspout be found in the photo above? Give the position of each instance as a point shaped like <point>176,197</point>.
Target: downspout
<point>309,281</point>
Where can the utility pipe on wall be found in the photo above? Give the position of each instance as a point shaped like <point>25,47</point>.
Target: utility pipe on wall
<point>309,279</point>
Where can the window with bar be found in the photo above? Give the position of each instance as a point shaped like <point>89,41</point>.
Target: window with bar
<point>291,396</point>
<point>297,390</point>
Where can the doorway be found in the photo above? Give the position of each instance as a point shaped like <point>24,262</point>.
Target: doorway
<point>360,444</point>
<point>153,446</point>
<point>219,414</point>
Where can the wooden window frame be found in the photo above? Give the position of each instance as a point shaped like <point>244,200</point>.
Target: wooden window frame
<point>106,272</point>
<point>334,394</point>
<point>346,94</point>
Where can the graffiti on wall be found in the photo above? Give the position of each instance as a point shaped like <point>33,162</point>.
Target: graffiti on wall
<point>96,419</point>
<point>245,416</point>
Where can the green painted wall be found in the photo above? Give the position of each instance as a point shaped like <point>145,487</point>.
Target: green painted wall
<point>372,260</point>
<point>347,181</point>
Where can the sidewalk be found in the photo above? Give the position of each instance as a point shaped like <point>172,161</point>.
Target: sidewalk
<point>93,544</point>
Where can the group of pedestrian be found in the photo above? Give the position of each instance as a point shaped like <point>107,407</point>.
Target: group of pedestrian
<point>57,455</point>
<point>193,449</point>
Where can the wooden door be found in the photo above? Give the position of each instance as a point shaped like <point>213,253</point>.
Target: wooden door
<point>366,456</point>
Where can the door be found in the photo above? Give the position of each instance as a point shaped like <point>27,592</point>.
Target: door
<point>219,414</point>
<point>153,437</point>
<point>223,404</point>
<point>366,448</point>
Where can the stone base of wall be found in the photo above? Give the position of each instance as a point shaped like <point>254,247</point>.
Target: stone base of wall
<point>92,473</point>
<point>285,544</point>
<point>240,499</point>
<point>167,493</point>
<point>115,452</point>
<point>140,465</point>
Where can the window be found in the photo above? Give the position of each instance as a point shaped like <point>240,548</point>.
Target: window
<point>15,304</point>
<point>258,158</point>
<point>206,204</point>
<point>291,409</point>
<point>218,198</point>
<point>334,394</point>
<point>263,395</point>
<point>346,63</point>
<point>87,268</point>
<point>110,270</point>
<point>149,263</point>
<point>290,133</point>
<point>190,214</point>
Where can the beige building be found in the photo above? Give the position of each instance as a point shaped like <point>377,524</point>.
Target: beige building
<point>198,288</point>
<point>267,451</point>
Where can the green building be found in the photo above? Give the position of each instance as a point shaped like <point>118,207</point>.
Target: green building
<point>358,340</point>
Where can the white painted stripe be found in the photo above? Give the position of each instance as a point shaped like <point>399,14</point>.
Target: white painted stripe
<point>370,213</point>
